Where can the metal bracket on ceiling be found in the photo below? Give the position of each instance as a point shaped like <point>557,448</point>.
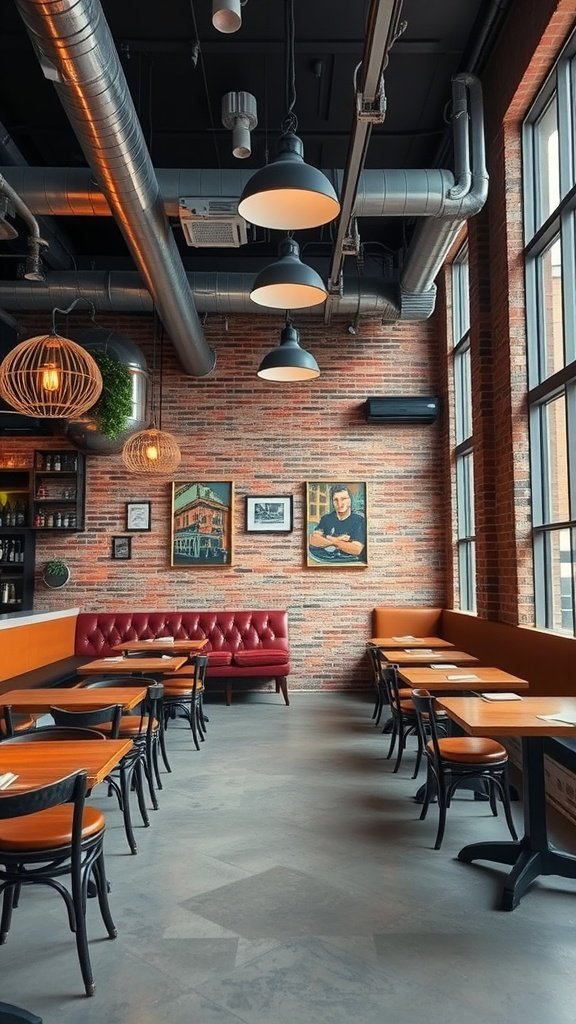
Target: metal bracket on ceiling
<point>351,241</point>
<point>373,110</point>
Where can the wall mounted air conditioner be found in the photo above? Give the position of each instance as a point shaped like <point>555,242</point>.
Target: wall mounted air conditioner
<point>402,409</point>
<point>212,223</point>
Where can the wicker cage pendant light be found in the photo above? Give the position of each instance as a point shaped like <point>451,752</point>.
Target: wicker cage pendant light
<point>50,377</point>
<point>153,451</point>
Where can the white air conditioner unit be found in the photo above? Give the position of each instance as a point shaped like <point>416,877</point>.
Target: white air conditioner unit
<point>212,223</point>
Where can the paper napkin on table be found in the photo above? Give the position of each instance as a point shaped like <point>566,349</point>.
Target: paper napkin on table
<point>464,678</point>
<point>407,637</point>
<point>501,696</point>
<point>118,658</point>
<point>420,650</point>
<point>445,665</point>
<point>164,639</point>
<point>7,779</point>
<point>562,719</point>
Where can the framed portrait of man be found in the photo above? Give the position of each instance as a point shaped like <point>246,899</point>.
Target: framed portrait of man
<point>336,524</point>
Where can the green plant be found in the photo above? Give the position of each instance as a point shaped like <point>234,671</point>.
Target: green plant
<point>114,406</point>
<point>56,567</point>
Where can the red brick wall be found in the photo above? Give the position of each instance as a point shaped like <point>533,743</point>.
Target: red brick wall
<point>270,439</point>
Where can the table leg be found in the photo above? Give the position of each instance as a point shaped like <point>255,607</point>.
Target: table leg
<point>532,856</point>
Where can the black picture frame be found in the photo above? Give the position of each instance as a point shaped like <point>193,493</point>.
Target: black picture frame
<point>138,516</point>
<point>121,549</point>
<point>270,513</point>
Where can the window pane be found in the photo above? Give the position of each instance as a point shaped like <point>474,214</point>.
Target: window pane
<point>551,333</point>
<point>460,299</point>
<point>467,575</point>
<point>463,395</point>
<point>559,576</point>
<point>465,496</point>
<point>555,462</point>
<point>547,163</point>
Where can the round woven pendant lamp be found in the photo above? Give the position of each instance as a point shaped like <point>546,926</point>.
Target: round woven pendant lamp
<point>151,451</point>
<point>50,377</point>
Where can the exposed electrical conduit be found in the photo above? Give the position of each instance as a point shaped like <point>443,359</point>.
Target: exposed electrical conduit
<point>77,53</point>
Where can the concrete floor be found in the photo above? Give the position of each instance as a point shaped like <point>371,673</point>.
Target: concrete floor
<point>286,879</point>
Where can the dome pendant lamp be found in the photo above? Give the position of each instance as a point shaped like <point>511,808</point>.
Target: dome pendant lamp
<point>289,194</point>
<point>288,283</point>
<point>288,362</point>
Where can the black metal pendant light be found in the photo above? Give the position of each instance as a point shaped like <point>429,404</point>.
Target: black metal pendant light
<point>288,362</point>
<point>289,194</point>
<point>288,283</point>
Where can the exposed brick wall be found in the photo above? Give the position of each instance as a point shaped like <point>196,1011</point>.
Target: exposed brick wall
<point>271,439</point>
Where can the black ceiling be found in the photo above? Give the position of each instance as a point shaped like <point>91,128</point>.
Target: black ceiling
<point>178,98</point>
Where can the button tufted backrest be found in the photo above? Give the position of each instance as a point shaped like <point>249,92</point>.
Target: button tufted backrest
<point>98,632</point>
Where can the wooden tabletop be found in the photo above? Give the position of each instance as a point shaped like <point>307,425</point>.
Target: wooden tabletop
<point>428,657</point>
<point>130,666</point>
<point>443,681</point>
<point>172,647</point>
<point>38,764</point>
<point>510,718</point>
<point>410,641</point>
<point>36,702</point>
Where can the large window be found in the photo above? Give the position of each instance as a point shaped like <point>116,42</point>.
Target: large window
<point>549,215</point>
<point>464,459</point>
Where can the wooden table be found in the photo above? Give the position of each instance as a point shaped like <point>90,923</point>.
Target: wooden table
<point>38,702</point>
<point>39,764</point>
<point>533,855</point>
<point>161,646</point>
<point>410,641</point>
<point>427,657</point>
<point>439,681</point>
<point>133,666</point>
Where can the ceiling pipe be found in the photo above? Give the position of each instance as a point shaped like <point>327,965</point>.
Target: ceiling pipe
<point>433,238</point>
<point>382,30</point>
<point>76,52</point>
<point>36,243</point>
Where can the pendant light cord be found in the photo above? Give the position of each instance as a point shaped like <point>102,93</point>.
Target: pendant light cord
<point>290,122</point>
<point>161,379</point>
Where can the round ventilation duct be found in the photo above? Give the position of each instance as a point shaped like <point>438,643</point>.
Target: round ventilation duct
<point>84,432</point>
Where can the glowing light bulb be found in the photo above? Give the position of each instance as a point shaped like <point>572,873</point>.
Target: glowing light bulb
<point>152,452</point>
<point>50,377</point>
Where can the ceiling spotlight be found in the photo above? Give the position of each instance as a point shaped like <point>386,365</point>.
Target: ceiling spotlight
<point>240,116</point>
<point>288,283</point>
<point>288,362</point>
<point>289,194</point>
<point>226,15</point>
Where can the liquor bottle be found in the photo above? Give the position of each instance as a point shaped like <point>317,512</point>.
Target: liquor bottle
<point>11,551</point>
<point>48,463</point>
<point>20,514</point>
<point>7,514</point>
<point>57,462</point>
<point>1,515</point>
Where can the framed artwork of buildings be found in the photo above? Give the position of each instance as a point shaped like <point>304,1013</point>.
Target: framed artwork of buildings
<point>201,532</point>
<point>336,524</point>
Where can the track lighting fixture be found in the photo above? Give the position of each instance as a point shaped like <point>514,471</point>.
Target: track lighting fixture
<point>227,15</point>
<point>239,114</point>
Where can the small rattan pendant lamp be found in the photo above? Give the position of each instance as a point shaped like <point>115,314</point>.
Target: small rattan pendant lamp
<point>153,451</point>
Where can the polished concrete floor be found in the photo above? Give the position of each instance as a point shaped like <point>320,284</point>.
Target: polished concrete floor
<point>286,879</point>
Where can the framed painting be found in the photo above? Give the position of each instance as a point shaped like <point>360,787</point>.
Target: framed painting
<point>201,523</point>
<point>138,516</point>
<point>269,514</point>
<point>122,548</point>
<point>336,524</point>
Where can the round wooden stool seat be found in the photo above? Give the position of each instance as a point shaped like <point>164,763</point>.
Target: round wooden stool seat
<point>47,829</point>
<point>471,750</point>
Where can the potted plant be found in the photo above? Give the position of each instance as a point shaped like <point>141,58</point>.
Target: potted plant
<point>56,573</point>
<point>114,407</point>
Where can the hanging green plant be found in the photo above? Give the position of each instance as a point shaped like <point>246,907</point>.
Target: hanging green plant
<point>114,406</point>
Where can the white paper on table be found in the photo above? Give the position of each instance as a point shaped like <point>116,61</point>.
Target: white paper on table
<point>421,650</point>
<point>464,678</point>
<point>118,658</point>
<point>164,640</point>
<point>501,696</point>
<point>566,719</point>
<point>7,779</point>
<point>444,666</point>
<point>407,637</point>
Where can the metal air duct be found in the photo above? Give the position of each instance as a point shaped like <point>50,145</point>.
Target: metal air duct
<point>76,51</point>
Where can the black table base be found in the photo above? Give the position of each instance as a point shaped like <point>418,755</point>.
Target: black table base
<point>533,855</point>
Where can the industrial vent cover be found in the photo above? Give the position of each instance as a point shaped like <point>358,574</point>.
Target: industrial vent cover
<point>212,223</point>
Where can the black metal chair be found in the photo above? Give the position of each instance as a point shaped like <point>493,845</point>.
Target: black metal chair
<point>45,834</point>
<point>129,772</point>
<point>453,760</point>
<point>404,718</point>
<point>380,696</point>
<point>45,733</point>
<point>143,726</point>
<point>185,694</point>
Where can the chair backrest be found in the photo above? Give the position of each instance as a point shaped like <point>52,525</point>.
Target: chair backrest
<point>89,719</point>
<point>102,682</point>
<point>389,678</point>
<point>373,658</point>
<point>8,726</point>
<point>70,789</point>
<point>55,732</point>
<point>425,705</point>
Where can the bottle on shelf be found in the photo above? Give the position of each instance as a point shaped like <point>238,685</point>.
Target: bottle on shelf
<point>57,462</point>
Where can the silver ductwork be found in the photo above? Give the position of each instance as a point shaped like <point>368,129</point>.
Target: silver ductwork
<point>77,53</point>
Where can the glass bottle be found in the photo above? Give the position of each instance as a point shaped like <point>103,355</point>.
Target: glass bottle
<point>57,462</point>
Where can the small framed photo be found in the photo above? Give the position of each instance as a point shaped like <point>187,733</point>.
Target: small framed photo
<point>138,515</point>
<point>272,514</point>
<point>122,548</point>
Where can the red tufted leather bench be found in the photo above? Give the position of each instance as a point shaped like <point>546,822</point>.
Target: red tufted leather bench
<point>241,644</point>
